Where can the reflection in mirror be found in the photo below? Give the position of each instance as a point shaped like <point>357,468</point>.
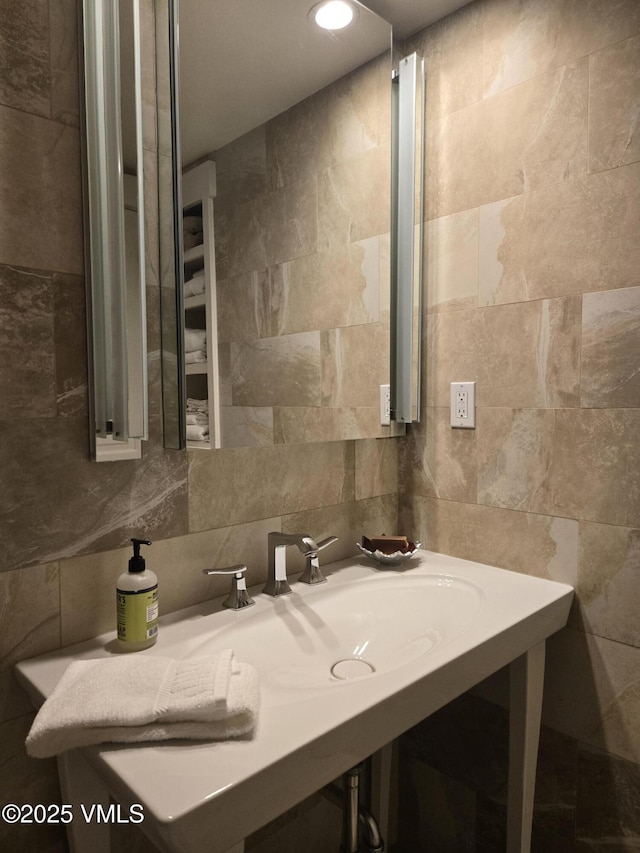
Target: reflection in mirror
<point>170,226</point>
<point>114,223</point>
<point>285,137</point>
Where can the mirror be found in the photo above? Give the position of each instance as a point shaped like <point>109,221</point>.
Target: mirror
<point>284,207</point>
<point>114,228</point>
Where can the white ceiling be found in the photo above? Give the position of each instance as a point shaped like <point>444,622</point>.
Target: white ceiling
<point>408,16</point>
<point>245,61</point>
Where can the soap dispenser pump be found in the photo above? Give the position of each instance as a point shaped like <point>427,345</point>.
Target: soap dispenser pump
<point>137,603</point>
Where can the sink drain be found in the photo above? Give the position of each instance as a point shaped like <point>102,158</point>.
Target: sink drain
<point>351,668</point>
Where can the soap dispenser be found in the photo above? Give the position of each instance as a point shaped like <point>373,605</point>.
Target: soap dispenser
<point>137,603</point>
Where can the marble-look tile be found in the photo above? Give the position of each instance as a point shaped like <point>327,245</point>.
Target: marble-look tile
<point>163,91</point>
<point>452,49</point>
<point>524,40</point>
<point>592,691</point>
<point>273,228</point>
<point>515,449</point>
<point>241,169</point>
<point>70,335</point>
<point>614,105</point>
<point>354,198</point>
<point>280,371</point>
<point>526,138</point>
<point>261,482</point>
<point>297,141</point>
<point>81,506</point>
<point>482,764</point>
<point>329,289</point>
<point>575,463</point>
<point>64,62</point>
<point>149,67</point>
<point>249,306</point>
<point>245,426</point>
<point>314,825</point>
<point>451,250</point>
<point>302,424</point>
<point>438,461</point>
<point>437,812</point>
<point>151,189</point>
<point>524,354</point>
<point>593,472</point>
<point>608,591</point>
<point>30,616</point>
<point>27,347</point>
<point>610,375</point>
<point>25,72</point>
<point>608,801</point>
<point>130,837</point>
<point>27,780</point>
<point>574,237</point>
<point>359,109</point>
<point>376,468</point>
<point>41,223</point>
<point>355,362</point>
<point>154,367</point>
<point>301,295</point>
<point>88,583</point>
<point>533,544</point>
<point>348,521</point>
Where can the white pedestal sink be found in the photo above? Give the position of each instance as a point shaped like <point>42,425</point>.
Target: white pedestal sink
<point>345,667</point>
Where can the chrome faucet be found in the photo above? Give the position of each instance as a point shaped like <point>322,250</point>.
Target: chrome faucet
<point>238,597</point>
<point>277,583</point>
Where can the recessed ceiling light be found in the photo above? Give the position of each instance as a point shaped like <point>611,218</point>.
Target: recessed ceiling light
<point>333,14</point>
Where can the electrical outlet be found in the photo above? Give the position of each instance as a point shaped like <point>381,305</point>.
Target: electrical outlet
<point>463,405</point>
<point>385,405</point>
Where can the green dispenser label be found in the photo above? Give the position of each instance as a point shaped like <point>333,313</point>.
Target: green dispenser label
<point>137,614</point>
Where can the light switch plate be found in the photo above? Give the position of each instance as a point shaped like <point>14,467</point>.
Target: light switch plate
<point>463,405</point>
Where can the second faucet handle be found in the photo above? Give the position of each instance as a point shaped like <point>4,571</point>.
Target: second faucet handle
<point>312,573</point>
<point>238,597</point>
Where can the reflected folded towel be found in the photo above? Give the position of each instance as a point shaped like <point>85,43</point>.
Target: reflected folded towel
<point>194,405</point>
<point>197,418</point>
<point>194,286</point>
<point>146,698</point>
<point>195,432</point>
<point>195,339</point>
<point>195,356</point>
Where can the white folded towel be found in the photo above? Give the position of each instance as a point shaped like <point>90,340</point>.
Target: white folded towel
<point>194,405</point>
<point>197,418</point>
<point>195,339</point>
<point>195,356</point>
<point>194,286</point>
<point>146,698</point>
<point>196,432</point>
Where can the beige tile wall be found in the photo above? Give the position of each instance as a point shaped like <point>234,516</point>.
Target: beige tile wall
<point>533,291</point>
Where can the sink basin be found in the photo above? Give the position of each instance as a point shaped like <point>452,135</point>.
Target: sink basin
<point>345,667</point>
<point>326,640</point>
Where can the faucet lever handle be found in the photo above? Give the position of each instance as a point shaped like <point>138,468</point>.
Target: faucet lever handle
<point>328,541</point>
<point>312,573</point>
<point>238,597</point>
